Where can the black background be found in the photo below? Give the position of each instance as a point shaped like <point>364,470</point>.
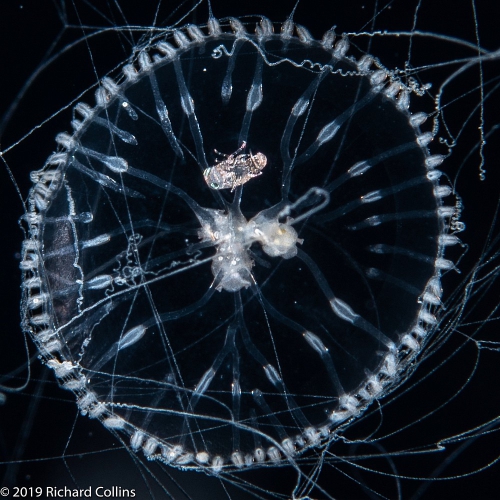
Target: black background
<point>43,441</point>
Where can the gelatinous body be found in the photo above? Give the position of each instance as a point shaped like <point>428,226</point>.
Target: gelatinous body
<point>239,324</point>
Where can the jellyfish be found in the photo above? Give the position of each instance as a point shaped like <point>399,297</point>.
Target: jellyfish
<point>240,248</point>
